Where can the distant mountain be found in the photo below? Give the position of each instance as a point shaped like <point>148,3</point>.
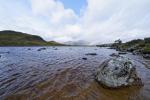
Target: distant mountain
<point>77,43</point>
<point>13,38</point>
<point>105,45</point>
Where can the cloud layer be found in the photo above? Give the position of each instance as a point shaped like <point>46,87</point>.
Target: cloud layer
<point>100,21</point>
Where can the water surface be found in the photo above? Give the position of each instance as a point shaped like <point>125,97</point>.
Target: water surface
<point>62,74</point>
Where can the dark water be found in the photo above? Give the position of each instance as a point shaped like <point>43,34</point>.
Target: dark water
<point>62,74</point>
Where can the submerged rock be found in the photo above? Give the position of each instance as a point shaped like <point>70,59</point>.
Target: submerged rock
<point>84,58</point>
<point>4,52</point>
<point>93,54</point>
<point>29,48</point>
<point>118,72</point>
<point>40,49</point>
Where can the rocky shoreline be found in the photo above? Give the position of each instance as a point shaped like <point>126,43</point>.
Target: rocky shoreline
<point>136,47</point>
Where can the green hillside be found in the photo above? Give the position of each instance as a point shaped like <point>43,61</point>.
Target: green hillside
<point>13,38</point>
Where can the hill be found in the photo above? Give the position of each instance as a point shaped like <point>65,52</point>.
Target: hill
<point>13,38</point>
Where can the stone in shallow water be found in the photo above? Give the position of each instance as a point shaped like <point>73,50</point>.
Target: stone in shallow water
<point>122,53</point>
<point>118,72</point>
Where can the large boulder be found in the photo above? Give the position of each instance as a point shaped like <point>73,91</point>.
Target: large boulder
<point>118,72</point>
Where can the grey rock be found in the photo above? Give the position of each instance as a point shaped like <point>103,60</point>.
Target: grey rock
<point>114,55</point>
<point>147,56</point>
<point>122,52</point>
<point>136,52</point>
<point>131,49</point>
<point>55,49</point>
<point>118,72</point>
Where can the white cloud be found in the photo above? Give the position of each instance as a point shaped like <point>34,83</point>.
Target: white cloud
<point>113,19</point>
<point>101,21</point>
<point>54,10</point>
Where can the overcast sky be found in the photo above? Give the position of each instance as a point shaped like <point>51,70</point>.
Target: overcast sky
<point>95,21</point>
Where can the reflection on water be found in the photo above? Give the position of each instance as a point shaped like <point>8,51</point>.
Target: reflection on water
<point>62,74</point>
